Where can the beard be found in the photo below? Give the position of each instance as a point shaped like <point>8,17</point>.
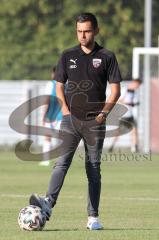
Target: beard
<point>86,43</point>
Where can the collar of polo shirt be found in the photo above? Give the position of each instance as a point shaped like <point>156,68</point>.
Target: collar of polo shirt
<point>95,49</point>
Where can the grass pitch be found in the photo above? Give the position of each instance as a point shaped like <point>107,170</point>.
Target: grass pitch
<point>129,207</point>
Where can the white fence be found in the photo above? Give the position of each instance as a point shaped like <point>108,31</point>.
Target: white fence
<point>14,93</point>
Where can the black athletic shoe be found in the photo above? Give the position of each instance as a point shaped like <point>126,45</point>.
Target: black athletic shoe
<point>42,203</point>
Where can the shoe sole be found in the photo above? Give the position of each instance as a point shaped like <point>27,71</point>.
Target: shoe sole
<point>100,228</point>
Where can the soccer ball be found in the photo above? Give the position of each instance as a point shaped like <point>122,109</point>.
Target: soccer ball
<point>31,218</point>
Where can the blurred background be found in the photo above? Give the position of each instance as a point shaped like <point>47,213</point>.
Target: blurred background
<point>35,32</point>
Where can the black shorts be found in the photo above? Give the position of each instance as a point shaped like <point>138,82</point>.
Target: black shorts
<point>127,122</point>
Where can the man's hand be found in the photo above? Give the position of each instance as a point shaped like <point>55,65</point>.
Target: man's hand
<point>113,98</point>
<point>65,112</point>
<point>101,118</point>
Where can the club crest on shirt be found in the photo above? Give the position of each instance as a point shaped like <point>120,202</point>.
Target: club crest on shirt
<point>96,62</point>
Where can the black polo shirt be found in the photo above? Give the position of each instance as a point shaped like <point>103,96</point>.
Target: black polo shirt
<point>87,76</point>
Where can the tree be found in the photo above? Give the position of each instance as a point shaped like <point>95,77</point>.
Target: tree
<point>35,32</point>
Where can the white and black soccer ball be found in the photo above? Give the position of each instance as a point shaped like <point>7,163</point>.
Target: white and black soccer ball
<point>31,218</point>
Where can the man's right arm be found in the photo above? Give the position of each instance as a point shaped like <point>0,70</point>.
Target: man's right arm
<point>60,93</point>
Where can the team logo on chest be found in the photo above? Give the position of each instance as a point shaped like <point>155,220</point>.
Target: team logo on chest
<point>97,62</point>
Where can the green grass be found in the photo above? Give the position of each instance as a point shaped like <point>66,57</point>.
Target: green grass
<point>129,208</point>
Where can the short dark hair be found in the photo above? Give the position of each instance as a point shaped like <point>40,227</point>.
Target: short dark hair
<point>84,17</point>
<point>138,80</point>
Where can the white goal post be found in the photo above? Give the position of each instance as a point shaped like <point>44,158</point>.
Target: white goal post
<point>145,96</point>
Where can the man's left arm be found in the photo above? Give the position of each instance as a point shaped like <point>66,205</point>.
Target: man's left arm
<point>112,99</point>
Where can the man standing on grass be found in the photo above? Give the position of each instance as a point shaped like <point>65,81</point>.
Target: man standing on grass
<point>86,68</point>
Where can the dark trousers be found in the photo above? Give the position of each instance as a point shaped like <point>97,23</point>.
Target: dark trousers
<point>93,134</point>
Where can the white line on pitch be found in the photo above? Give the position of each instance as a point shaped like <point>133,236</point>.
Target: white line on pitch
<point>135,198</point>
<point>14,195</point>
<point>81,197</point>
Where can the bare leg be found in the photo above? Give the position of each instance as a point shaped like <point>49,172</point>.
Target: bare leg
<point>115,139</point>
<point>134,139</point>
